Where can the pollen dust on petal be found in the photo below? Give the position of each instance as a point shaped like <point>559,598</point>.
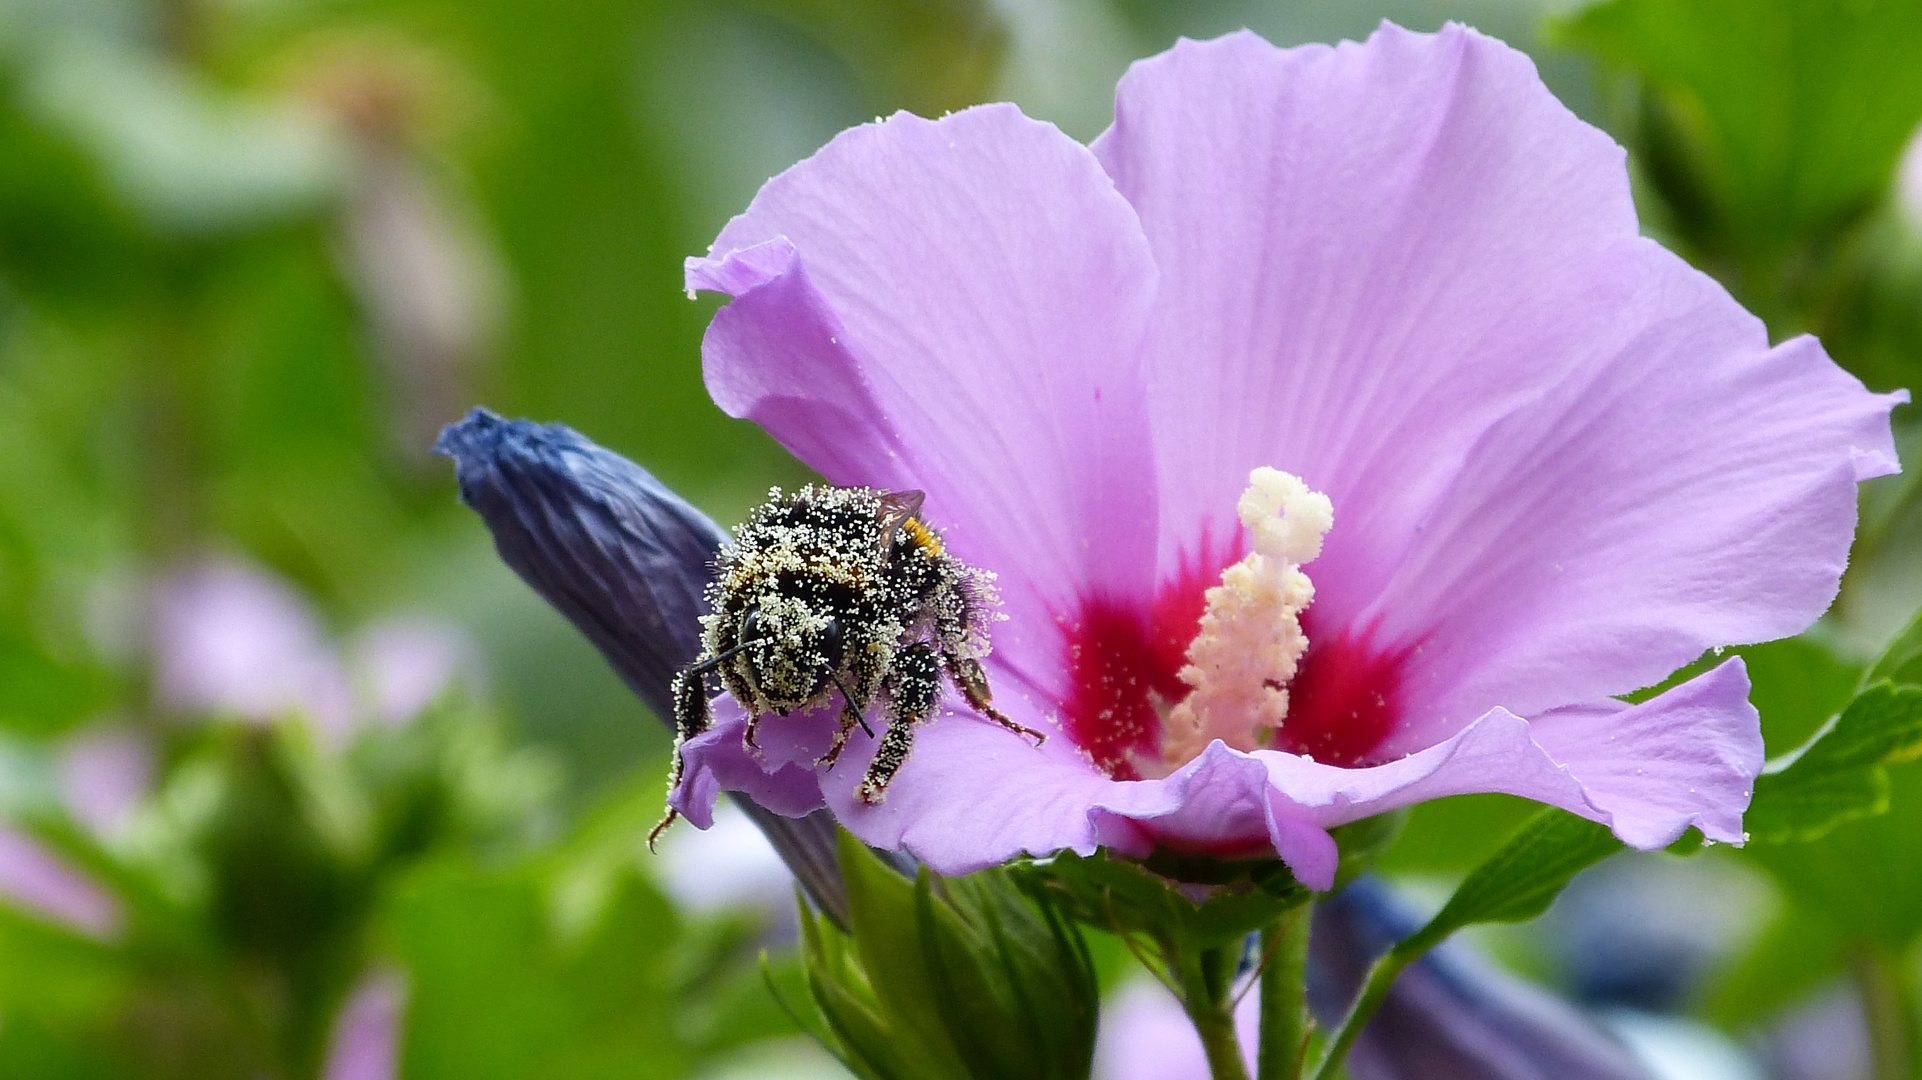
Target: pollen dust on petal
<point>1250,639</point>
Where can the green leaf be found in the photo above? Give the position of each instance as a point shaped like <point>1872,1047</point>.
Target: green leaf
<point>1363,843</point>
<point>1798,684</point>
<point>1764,122</point>
<point>1447,838</point>
<point>1863,879</point>
<point>1895,660</point>
<point>928,56</point>
<point>1838,775</point>
<point>1518,882</point>
<point>499,991</point>
<point>1523,878</point>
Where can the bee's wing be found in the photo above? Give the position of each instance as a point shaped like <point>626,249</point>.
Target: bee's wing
<point>897,507</point>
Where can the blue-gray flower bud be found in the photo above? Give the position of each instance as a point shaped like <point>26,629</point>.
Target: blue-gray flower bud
<point>627,561</point>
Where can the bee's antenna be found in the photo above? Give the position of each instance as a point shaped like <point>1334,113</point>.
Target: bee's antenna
<point>714,661</point>
<point>848,696</point>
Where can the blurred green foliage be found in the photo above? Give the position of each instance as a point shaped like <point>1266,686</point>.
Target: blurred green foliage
<point>1769,134</point>
<point>252,254</point>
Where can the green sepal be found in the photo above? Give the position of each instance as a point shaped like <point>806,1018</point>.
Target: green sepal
<point>1014,981</point>
<point>894,963</point>
<point>1232,899</point>
<point>1838,775</point>
<point>858,1032</point>
<point>950,979</point>
<point>787,984</point>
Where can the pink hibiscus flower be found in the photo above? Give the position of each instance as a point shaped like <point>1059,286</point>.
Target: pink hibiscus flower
<point>1337,440</point>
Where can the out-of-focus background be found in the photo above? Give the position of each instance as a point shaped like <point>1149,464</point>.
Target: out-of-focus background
<point>297,780</point>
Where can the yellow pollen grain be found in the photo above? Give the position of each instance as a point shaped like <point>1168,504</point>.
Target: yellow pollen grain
<point>1250,639</point>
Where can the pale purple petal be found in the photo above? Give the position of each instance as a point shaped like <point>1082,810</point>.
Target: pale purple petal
<point>780,777</point>
<point>105,774</point>
<point>1367,253</point>
<point>777,355</point>
<point>1562,462</point>
<point>1689,487</point>
<point>957,306</point>
<point>40,881</point>
<point>365,1044</point>
<point>1687,757</point>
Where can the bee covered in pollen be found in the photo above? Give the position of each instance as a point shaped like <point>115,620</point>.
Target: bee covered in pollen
<point>840,591</point>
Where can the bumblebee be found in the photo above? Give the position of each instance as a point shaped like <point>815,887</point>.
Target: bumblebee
<point>842,591</point>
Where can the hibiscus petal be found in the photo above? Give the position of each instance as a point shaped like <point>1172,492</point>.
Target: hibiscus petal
<point>1686,757</point>
<point>1562,462</point>
<point>779,779</point>
<point>1688,487</point>
<point>1019,798</point>
<point>1368,253</point>
<point>956,305</point>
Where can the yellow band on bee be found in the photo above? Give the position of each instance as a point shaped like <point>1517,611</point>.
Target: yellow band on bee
<point>924,537</point>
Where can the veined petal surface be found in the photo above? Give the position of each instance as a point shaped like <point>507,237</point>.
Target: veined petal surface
<point>956,306</point>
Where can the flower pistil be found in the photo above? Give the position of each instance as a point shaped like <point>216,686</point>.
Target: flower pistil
<point>1250,640</point>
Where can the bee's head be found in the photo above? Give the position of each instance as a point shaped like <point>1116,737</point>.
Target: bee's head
<point>793,647</point>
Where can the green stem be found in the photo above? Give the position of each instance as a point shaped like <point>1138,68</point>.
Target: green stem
<point>1381,978</point>
<point>1206,996</point>
<point>1888,1004</point>
<point>1284,997</point>
<point>1216,1026</point>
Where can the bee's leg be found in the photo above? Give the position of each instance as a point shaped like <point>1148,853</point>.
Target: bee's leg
<point>973,681</point>
<point>915,688</point>
<point>850,716</point>
<point>747,735</point>
<point>692,716</point>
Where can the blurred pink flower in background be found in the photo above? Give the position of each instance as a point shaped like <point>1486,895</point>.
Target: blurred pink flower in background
<point>401,666</point>
<point>231,638</point>
<point>1144,1035</point>
<point>36,879</point>
<point>105,773</point>
<point>365,1043</point>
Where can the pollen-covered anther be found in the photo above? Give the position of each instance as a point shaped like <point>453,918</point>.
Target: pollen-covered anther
<point>1250,639</point>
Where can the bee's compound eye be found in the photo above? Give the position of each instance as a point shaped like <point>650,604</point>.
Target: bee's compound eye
<point>831,642</point>
<point>751,627</point>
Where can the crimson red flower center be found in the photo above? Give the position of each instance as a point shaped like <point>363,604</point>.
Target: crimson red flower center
<point>1124,659</point>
